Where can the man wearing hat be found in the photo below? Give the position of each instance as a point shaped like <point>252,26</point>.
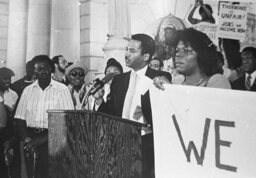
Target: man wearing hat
<point>75,74</point>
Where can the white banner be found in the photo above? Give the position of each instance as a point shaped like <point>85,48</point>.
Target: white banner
<point>232,20</point>
<point>204,132</point>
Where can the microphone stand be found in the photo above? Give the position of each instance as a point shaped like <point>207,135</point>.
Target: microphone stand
<point>86,96</point>
<point>97,84</point>
<point>92,90</point>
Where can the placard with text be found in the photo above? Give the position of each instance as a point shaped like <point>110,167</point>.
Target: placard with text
<point>211,30</point>
<point>204,132</point>
<point>232,20</point>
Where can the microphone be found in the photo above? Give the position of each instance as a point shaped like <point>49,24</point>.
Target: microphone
<point>98,84</point>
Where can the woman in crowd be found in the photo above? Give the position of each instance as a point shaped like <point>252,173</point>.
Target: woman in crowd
<point>196,59</point>
<point>113,66</point>
<point>76,73</point>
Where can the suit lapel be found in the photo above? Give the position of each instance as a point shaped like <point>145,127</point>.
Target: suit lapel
<point>124,84</point>
<point>151,73</point>
<point>253,88</point>
<point>126,81</point>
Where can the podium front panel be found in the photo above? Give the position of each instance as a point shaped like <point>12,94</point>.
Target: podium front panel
<point>94,145</point>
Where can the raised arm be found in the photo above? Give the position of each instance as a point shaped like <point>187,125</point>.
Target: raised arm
<point>208,13</point>
<point>191,14</point>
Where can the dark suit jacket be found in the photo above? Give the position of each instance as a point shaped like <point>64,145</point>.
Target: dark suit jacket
<point>239,84</point>
<point>115,100</point>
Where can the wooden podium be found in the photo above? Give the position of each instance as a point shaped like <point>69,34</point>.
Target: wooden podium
<point>86,144</point>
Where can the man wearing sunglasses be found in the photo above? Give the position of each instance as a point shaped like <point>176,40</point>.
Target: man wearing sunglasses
<point>32,117</point>
<point>75,74</point>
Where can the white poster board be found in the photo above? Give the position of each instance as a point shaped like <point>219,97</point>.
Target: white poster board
<point>232,20</point>
<point>218,124</point>
<point>250,38</point>
<point>209,29</point>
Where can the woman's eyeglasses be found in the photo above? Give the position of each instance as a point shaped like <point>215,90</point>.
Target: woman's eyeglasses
<point>79,74</point>
<point>184,51</point>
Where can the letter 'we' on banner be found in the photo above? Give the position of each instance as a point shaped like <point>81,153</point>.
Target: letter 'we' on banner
<point>204,132</point>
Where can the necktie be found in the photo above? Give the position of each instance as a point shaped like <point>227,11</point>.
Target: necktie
<point>248,82</point>
<point>129,96</point>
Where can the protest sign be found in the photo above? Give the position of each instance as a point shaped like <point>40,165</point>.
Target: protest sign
<point>204,132</point>
<point>209,29</point>
<point>232,20</point>
<point>250,38</point>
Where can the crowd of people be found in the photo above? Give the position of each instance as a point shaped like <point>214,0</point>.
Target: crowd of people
<point>58,84</point>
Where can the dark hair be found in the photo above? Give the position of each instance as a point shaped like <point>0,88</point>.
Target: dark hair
<point>158,59</point>
<point>113,62</point>
<point>30,68</point>
<point>148,45</point>
<point>43,58</point>
<point>207,58</point>
<point>220,57</point>
<point>201,10</point>
<point>6,72</point>
<point>250,49</point>
<point>55,59</point>
<point>173,41</point>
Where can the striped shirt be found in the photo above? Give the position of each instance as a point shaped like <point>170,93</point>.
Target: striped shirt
<point>35,102</point>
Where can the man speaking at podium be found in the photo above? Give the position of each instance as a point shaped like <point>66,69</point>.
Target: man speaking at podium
<point>129,95</point>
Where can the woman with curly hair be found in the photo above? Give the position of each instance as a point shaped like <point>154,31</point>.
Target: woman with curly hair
<point>196,58</point>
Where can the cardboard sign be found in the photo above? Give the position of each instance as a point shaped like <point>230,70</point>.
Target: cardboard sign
<point>232,20</point>
<point>209,29</point>
<point>250,38</point>
<point>204,132</point>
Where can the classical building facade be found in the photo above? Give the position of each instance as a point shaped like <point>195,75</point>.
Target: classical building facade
<point>88,30</point>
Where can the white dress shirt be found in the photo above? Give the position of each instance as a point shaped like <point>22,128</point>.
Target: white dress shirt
<point>35,102</point>
<point>10,99</point>
<point>143,84</point>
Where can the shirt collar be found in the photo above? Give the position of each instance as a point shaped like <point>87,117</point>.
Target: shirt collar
<point>140,72</point>
<point>83,88</point>
<point>7,90</point>
<point>253,76</point>
<point>36,84</point>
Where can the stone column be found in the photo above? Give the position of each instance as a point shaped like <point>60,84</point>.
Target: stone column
<point>119,30</point>
<point>17,37</point>
<point>39,24</point>
<point>4,8</point>
<point>65,30</point>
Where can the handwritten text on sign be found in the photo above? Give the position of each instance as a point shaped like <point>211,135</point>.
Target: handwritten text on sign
<point>232,20</point>
<point>209,29</point>
<point>203,132</point>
